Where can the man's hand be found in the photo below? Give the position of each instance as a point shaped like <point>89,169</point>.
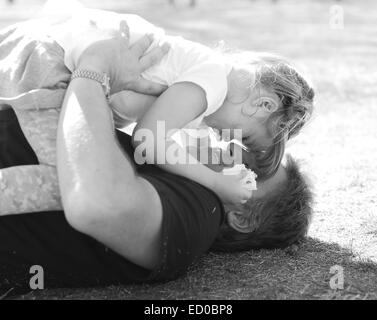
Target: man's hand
<point>124,63</point>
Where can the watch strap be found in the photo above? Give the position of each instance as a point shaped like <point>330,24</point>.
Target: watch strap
<point>102,78</point>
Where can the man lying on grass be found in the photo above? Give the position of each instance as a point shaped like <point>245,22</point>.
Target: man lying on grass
<point>124,222</point>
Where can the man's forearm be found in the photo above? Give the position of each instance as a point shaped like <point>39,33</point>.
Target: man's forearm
<point>89,157</point>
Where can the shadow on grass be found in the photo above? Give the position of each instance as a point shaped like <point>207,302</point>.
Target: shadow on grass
<point>298,272</point>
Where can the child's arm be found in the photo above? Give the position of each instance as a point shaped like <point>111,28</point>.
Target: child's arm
<point>31,188</point>
<point>130,105</point>
<point>177,106</point>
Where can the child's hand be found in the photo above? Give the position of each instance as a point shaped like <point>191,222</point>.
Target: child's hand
<point>231,188</point>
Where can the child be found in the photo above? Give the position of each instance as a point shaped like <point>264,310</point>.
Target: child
<point>262,96</point>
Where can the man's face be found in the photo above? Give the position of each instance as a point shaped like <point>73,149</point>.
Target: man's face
<point>263,189</point>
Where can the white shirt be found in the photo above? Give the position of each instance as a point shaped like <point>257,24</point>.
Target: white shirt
<point>186,61</point>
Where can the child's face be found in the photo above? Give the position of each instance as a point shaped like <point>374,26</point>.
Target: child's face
<point>247,107</point>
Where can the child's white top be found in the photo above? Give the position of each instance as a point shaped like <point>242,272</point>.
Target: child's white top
<point>186,61</point>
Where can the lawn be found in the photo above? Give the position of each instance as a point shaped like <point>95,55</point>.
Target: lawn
<point>338,149</point>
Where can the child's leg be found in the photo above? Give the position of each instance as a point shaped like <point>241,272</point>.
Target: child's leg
<point>24,187</point>
<point>40,129</point>
<point>34,86</point>
<point>31,188</point>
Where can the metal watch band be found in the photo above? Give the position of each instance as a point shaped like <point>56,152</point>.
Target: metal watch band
<point>102,78</point>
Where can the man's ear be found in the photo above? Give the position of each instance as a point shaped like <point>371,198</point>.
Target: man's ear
<point>239,222</point>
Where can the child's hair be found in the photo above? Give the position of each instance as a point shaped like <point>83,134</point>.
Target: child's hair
<point>279,219</point>
<point>296,97</point>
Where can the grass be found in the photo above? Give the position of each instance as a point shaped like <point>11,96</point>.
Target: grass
<point>338,149</point>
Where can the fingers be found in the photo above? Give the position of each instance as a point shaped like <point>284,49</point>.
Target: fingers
<point>243,174</point>
<point>140,46</point>
<point>154,56</point>
<point>246,196</point>
<point>124,31</point>
<point>147,87</point>
<point>247,186</point>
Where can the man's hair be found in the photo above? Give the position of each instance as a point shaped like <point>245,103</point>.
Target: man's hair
<point>279,219</point>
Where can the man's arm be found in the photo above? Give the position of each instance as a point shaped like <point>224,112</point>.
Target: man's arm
<point>101,194</point>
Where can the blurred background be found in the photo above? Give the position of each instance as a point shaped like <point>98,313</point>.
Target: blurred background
<point>335,44</point>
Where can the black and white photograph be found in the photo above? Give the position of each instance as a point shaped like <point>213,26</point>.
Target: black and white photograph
<point>188,150</point>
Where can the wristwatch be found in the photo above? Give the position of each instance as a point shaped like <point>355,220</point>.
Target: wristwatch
<point>102,78</point>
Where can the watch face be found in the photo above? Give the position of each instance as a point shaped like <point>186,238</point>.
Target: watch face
<point>106,84</point>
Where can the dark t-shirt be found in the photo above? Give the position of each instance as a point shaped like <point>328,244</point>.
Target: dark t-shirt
<point>192,215</point>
